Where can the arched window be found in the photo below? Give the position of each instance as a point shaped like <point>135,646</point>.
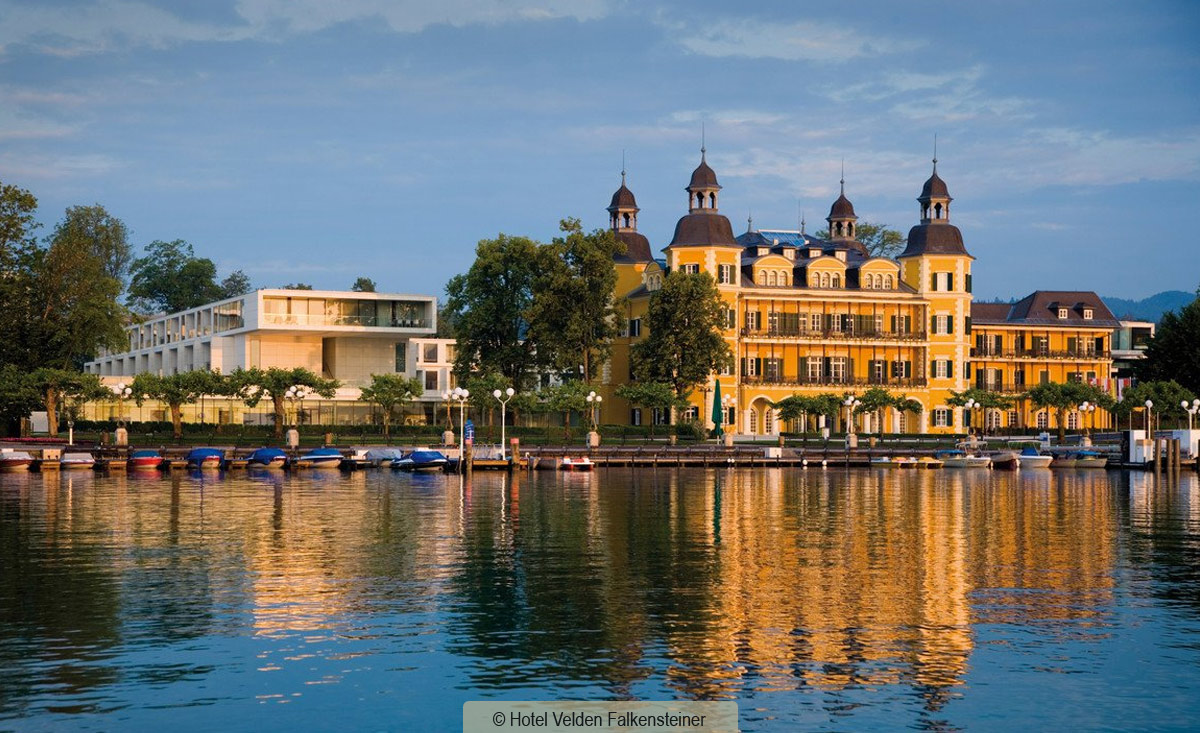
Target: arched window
<point>627,220</point>
<point>850,229</point>
<point>783,278</point>
<point>889,285</point>
<point>1043,422</point>
<point>937,211</point>
<point>762,277</point>
<point>837,281</point>
<point>771,278</point>
<point>712,201</point>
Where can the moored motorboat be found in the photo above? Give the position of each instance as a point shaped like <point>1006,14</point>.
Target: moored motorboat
<point>356,460</point>
<point>12,461</point>
<point>206,458</point>
<point>929,462</point>
<point>77,461</point>
<point>1005,459</point>
<point>383,456</point>
<point>1030,458</point>
<point>145,459</point>
<point>1090,459</point>
<point>882,462</point>
<point>267,458</point>
<point>583,463</point>
<point>961,459</point>
<point>319,458</point>
<point>422,460</point>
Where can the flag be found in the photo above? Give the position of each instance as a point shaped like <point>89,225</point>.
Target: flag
<point>717,411</point>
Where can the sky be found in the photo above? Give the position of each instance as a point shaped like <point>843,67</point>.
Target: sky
<point>309,141</point>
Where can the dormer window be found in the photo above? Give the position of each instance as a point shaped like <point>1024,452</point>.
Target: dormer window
<point>840,254</point>
<point>1087,314</point>
<point>763,251</point>
<point>1062,313</point>
<point>790,254</point>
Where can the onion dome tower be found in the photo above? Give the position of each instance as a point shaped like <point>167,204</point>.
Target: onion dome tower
<point>935,234</point>
<point>841,217</point>
<point>703,226</point>
<point>622,218</point>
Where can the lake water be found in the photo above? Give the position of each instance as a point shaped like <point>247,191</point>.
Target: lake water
<point>818,599</point>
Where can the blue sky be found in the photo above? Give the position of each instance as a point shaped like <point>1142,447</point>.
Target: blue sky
<point>319,141</point>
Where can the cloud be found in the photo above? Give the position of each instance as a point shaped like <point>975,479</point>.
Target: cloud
<point>104,25</point>
<point>1081,157</point>
<point>799,41</point>
<point>42,167</point>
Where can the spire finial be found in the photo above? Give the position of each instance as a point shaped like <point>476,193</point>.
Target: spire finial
<point>622,166</point>
<point>935,152</point>
<point>843,176</point>
<point>749,221</point>
<point>702,145</point>
<point>802,223</point>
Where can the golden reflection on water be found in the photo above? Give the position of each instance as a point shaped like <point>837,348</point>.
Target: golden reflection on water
<point>719,581</point>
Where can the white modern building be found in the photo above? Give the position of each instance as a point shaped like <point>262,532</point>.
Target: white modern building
<point>342,335</point>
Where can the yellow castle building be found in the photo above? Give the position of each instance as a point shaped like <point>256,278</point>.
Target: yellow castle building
<point>810,316</point>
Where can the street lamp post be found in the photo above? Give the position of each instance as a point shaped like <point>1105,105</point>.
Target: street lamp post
<point>970,406</point>
<point>1191,409</point>
<point>851,403</point>
<point>296,394</point>
<point>1087,410</point>
<point>728,402</point>
<point>460,396</point>
<point>1149,407</point>
<point>123,393</point>
<point>594,401</point>
<point>503,404</point>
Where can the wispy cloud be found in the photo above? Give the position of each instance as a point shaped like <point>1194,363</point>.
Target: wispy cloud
<point>796,41</point>
<point>40,167</point>
<point>102,25</point>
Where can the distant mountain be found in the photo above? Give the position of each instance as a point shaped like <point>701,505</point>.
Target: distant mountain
<point>1149,309</point>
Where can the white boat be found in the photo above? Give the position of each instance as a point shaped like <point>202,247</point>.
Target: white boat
<point>82,461</point>
<point>958,458</point>
<point>380,457</point>
<point>582,463</point>
<point>324,458</point>
<point>12,461</point>
<point>1030,458</point>
<point>1005,459</point>
<point>883,462</point>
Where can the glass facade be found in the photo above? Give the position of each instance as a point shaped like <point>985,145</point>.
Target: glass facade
<point>301,311</point>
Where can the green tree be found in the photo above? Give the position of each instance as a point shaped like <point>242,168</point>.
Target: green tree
<point>363,285</point>
<point>490,305</point>
<point>875,400</point>
<point>1064,397</point>
<point>567,398</point>
<point>800,407</point>
<point>57,388</point>
<point>296,286</point>
<point>684,344</point>
<point>1166,397</point>
<point>255,384</point>
<point>481,387</point>
<point>75,282</point>
<point>572,316</point>
<point>235,283</point>
<point>984,399</point>
<point>169,277</point>
<point>651,395</point>
<point>390,391</point>
<point>879,239</point>
<point>176,390</point>
<point>18,397</point>
<point>1174,352</point>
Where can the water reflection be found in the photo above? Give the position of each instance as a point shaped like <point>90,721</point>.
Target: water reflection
<point>812,596</point>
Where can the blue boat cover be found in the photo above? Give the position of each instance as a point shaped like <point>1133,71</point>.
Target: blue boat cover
<point>322,453</point>
<point>266,455</point>
<point>199,454</point>
<point>1030,452</point>
<point>426,456</point>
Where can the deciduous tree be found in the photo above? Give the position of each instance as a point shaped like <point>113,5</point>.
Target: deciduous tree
<point>58,387</point>
<point>390,391</point>
<point>255,384</point>
<point>490,308</point>
<point>879,239</point>
<point>684,344</point>
<point>176,390</point>
<point>169,278</point>
<point>651,395</point>
<point>572,315</point>
<point>363,285</point>
<point>1174,352</point>
<point>1062,397</point>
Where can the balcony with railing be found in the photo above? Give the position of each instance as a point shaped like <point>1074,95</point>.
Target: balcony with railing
<point>1077,354</point>
<point>830,334</point>
<point>304,319</point>
<point>834,381</point>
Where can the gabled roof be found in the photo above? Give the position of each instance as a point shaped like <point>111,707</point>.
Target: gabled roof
<point>1040,308</point>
